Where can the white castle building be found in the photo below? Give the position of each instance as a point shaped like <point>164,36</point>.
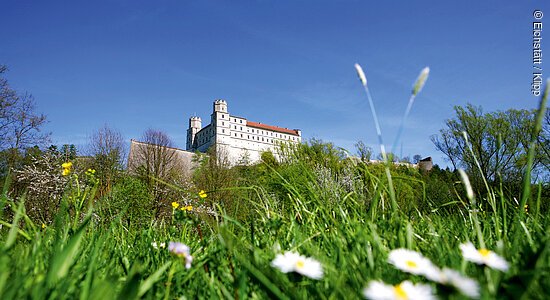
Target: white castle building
<point>237,137</point>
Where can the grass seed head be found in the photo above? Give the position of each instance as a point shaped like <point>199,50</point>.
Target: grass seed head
<point>421,80</point>
<point>361,74</point>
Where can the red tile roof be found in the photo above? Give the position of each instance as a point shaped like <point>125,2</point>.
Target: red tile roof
<point>272,128</point>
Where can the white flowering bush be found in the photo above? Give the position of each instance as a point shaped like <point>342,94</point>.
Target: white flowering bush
<point>44,185</point>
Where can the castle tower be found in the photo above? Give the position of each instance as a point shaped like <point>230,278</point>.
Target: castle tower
<point>195,124</point>
<point>221,121</point>
<point>220,106</point>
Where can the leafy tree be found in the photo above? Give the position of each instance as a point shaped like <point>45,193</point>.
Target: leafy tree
<point>364,151</point>
<point>498,141</point>
<point>214,174</point>
<point>316,152</point>
<point>68,151</point>
<point>269,159</point>
<point>391,157</point>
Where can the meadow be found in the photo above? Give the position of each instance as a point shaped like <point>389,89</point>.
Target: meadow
<point>316,225</point>
<point>338,214</point>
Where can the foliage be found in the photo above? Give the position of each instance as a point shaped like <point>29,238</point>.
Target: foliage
<point>364,152</point>
<point>315,201</point>
<point>301,206</point>
<point>213,174</point>
<point>130,202</point>
<point>498,140</point>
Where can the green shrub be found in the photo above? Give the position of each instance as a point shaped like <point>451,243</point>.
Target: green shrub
<point>130,200</point>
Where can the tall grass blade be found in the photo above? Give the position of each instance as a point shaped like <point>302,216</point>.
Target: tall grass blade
<point>418,85</point>
<point>379,134</point>
<point>131,288</point>
<point>63,260</point>
<point>147,284</point>
<point>12,235</point>
<point>531,152</point>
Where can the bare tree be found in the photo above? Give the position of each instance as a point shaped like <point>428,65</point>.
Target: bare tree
<point>154,158</point>
<point>20,126</point>
<point>108,149</point>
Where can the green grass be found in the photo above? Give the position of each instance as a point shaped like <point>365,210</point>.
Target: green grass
<point>77,258</point>
<point>344,214</point>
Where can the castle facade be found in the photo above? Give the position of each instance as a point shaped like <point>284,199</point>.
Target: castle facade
<point>241,140</point>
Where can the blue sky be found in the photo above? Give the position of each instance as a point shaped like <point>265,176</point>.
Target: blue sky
<point>136,65</point>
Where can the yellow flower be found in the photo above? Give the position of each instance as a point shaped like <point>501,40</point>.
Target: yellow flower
<point>203,194</point>
<point>187,208</point>
<point>175,205</point>
<point>66,168</point>
<point>43,225</point>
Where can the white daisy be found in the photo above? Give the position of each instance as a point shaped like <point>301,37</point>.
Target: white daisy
<point>406,290</point>
<point>463,284</point>
<point>183,251</point>
<point>294,262</point>
<point>414,263</point>
<point>483,257</point>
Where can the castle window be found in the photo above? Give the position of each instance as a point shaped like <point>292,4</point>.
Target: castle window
<point>223,116</point>
<point>241,128</point>
<point>223,130</point>
<point>235,134</point>
<point>241,121</point>
<point>241,135</point>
